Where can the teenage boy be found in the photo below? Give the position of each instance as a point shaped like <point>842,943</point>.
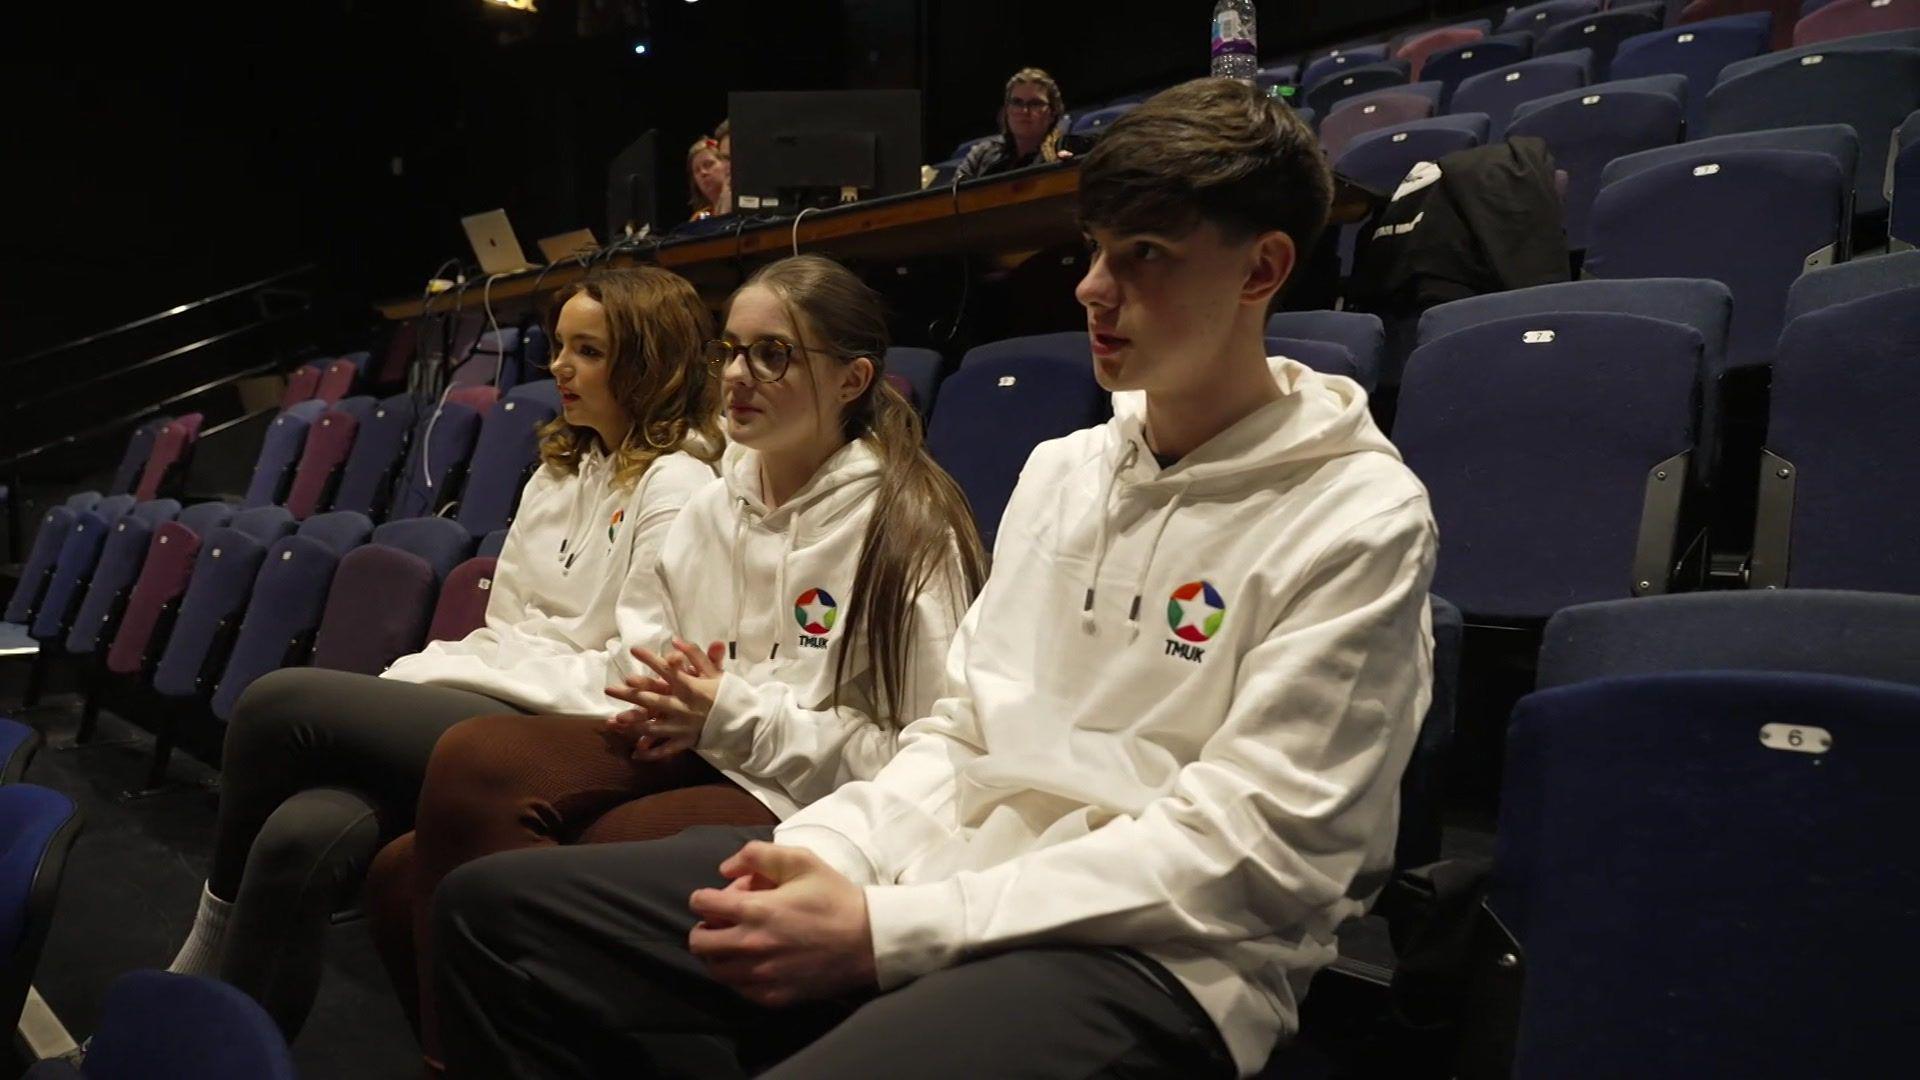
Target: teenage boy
<point>1191,685</point>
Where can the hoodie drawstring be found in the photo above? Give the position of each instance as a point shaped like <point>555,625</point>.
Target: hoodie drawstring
<point>739,586</point>
<point>588,472</point>
<point>1146,565</point>
<point>780,598</point>
<point>1100,536</point>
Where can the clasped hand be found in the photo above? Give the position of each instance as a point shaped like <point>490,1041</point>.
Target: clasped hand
<point>670,707</point>
<point>787,928</point>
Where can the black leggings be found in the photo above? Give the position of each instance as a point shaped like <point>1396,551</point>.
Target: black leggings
<point>321,767</point>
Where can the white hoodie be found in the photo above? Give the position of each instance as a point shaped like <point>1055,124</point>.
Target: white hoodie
<point>776,585</point>
<point>1187,696</point>
<point>574,544</point>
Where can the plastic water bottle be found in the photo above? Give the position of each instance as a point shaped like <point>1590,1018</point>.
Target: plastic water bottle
<point>1234,53</point>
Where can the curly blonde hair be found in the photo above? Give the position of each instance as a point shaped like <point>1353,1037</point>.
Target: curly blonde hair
<point>656,324</point>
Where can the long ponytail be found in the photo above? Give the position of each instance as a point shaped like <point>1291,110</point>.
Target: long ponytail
<point>921,526</point>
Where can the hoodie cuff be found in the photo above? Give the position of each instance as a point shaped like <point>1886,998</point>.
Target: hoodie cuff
<point>833,849</point>
<point>729,727</point>
<point>917,929</point>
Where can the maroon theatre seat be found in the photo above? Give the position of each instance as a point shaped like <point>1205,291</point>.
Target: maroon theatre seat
<point>337,381</point>
<point>463,600</point>
<point>1415,50</point>
<point>1849,18</point>
<point>478,398</point>
<point>301,385</point>
<point>171,449</point>
<point>1370,112</point>
<point>377,611</point>
<point>329,441</point>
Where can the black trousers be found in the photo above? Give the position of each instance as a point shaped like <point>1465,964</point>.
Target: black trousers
<point>573,962</point>
<point>320,768</point>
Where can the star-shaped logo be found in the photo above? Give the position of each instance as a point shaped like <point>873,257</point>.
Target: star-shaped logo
<point>1195,611</point>
<point>815,611</point>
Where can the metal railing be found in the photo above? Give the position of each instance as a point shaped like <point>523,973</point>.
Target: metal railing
<point>158,316</point>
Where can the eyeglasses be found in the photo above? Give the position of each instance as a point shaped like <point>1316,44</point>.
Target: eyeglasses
<point>1028,104</point>
<point>767,358</point>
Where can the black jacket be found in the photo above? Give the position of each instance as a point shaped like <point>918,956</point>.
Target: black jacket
<point>1489,221</point>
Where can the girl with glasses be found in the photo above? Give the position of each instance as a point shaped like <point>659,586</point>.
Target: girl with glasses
<point>798,623</point>
<point>1033,128</point>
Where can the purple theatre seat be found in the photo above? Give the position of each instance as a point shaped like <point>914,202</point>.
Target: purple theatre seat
<point>439,453</point>
<point>171,449</point>
<point>492,543</point>
<point>1538,437</point>
<point>544,391</point>
<point>1776,213</point>
<point>1416,49</point>
<point>37,568</point>
<point>279,452</point>
<point>1326,358</point>
<point>921,369</point>
<point>1697,51</point>
<point>216,595</point>
<point>337,381</point>
<point>1379,160</point>
<point>1027,390</point>
<point>1584,129</point>
<point>493,361</point>
<point>1322,96</point>
<point>463,600</point>
<point>1276,75</point>
<point>329,444</point>
<point>1851,18</point>
<point>383,594</point>
<point>163,580</point>
<point>289,594</point>
<point>1601,34</point>
<point>1862,83</point>
<point>1539,18</point>
<point>1451,67</point>
<point>1839,488</point>
<point>504,455</point>
<point>79,552</point>
<point>1339,60</point>
<point>1903,184</point>
<point>301,385</point>
<point>133,461</point>
<point>118,567</point>
<point>1370,112</point>
<point>379,445</point>
<point>1496,92</point>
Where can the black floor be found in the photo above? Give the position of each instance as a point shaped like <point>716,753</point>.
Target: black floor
<point>134,879</point>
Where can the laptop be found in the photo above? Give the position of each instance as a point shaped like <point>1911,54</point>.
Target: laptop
<point>568,244</point>
<point>493,242</point>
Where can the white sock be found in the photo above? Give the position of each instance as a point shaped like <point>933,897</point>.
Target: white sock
<point>201,954</point>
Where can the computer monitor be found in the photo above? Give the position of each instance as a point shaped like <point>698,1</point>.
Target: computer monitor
<point>802,147</point>
<point>633,178</point>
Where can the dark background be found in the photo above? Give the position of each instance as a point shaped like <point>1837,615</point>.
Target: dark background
<point>163,151</point>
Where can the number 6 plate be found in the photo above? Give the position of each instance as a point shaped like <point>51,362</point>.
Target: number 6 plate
<point>1797,737</point>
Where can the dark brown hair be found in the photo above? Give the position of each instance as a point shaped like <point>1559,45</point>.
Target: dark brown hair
<point>656,324</point>
<point>921,519</point>
<point>1208,150</point>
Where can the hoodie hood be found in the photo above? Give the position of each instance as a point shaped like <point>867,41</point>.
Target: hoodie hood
<point>833,487</point>
<point>1317,418</point>
<point>842,485</point>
